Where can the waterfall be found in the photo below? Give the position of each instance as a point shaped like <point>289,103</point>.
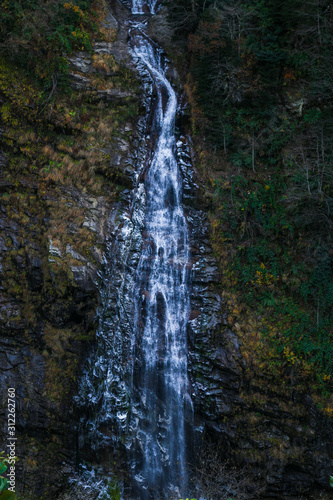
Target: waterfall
<point>139,6</point>
<point>134,393</point>
<point>161,303</point>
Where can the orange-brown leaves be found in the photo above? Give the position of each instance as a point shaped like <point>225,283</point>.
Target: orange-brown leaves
<point>207,39</point>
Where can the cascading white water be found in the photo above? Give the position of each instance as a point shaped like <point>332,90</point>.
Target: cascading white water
<point>139,6</point>
<point>134,394</point>
<point>162,305</point>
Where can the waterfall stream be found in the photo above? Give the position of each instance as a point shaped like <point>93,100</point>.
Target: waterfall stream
<point>161,302</point>
<point>134,393</point>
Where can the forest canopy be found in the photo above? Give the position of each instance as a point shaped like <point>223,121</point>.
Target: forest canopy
<point>259,83</point>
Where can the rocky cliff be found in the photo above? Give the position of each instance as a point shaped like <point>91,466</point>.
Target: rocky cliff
<point>66,210</point>
<point>63,174</point>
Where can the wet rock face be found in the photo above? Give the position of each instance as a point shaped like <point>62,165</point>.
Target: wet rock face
<point>214,356</point>
<point>103,399</point>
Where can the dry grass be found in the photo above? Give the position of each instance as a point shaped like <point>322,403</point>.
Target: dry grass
<point>105,130</point>
<point>48,151</point>
<point>105,63</point>
<point>27,138</point>
<point>56,339</point>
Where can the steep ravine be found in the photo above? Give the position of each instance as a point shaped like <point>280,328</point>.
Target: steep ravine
<point>48,325</point>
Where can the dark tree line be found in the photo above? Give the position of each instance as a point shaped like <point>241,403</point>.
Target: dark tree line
<point>260,86</point>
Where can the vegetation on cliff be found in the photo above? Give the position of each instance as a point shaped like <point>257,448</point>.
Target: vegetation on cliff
<point>57,144</point>
<point>59,129</point>
<point>37,37</point>
<point>261,115</point>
